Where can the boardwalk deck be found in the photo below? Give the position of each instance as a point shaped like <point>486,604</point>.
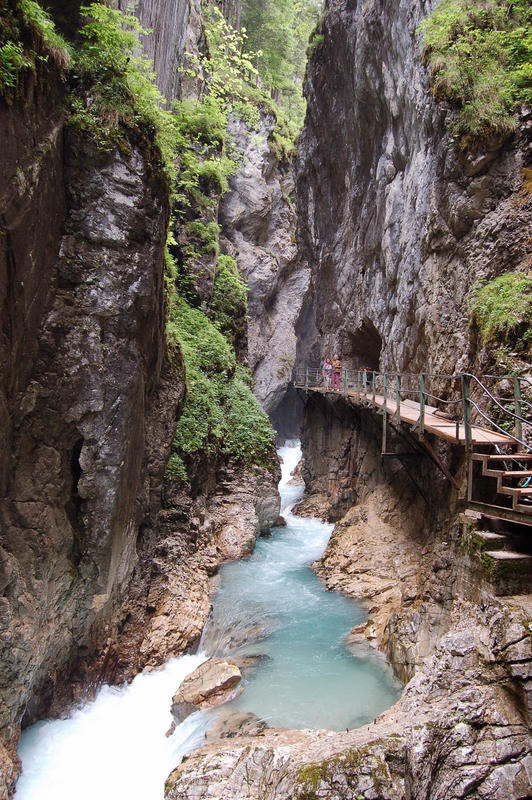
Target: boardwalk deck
<point>365,389</point>
<point>434,423</point>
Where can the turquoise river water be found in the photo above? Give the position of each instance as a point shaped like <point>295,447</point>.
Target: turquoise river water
<point>270,606</point>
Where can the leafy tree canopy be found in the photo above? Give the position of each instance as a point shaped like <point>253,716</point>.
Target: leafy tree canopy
<point>277,33</point>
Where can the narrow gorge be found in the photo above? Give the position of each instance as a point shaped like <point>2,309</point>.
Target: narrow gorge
<point>183,242</point>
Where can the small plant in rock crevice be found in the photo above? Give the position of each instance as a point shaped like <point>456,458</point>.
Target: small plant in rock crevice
<point>502,311</point>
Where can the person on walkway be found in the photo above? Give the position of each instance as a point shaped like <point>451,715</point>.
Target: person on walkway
<point>326,370</point>
<point>336,372</point>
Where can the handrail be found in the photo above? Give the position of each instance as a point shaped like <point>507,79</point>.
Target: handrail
<point>366,384</point>
<point>487,391</point>
<point>495,425</point>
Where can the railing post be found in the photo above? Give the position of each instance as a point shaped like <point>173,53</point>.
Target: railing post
<point>384,412</point>
<point>398,398</point>
<point>518,409</point>
<point>346,382</point>
<point>466,404</point>
<point>421,420</point>
<point>373,386</point>
<point>306,378</point>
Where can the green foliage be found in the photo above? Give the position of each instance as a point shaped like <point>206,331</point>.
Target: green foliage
<point>203,123</point>
<point>314,43</point>
<point>205,236</point>
<point>226,74</point>
<point>502,309</point>
<point>40,22</point>
<point>247,433</point>
<point>481,60</point>
<point>176,467</point>
<point>278,31</point>
<point>220,411</point>
<point>116,87</point>
<point>12,62</point>
<point>283,137</point>
<point>27,37</point>
<point>204,347</point>
<point>229,306</point>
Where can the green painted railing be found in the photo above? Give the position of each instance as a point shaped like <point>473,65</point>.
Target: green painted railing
<point>464,398</point>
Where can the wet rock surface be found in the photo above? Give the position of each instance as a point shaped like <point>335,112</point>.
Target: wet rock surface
<point>230,723</point>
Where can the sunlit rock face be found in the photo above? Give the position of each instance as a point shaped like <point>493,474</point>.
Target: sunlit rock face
<point>396,225</point>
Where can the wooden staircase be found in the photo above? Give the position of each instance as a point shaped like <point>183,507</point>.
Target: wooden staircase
<point>496,466</point>
<point>503,556</point>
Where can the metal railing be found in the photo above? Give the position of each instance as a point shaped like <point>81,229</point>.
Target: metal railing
<point>497,402</point>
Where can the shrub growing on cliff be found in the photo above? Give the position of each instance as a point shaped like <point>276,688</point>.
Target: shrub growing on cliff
<point>220,411</point>
<point>27,37</point>
<point>229,306</point>
<point>481,60</point>
<point>116,87</point>
<point>502,309</point>
<point>247,433</point>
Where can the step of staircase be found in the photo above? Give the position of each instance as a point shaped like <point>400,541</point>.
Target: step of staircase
<point>515,491</point>
<point>515,473</point>
<point>492,541</point>
<point>516,560</point>
<point>510,572</point>
<point>507,457</point>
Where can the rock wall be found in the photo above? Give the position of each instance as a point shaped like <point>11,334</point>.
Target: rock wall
<point>82,382</point>
<point>396,225</point>
<point>258,229</point>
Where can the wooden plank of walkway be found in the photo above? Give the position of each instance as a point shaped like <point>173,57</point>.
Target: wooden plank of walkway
<point>439,426</point>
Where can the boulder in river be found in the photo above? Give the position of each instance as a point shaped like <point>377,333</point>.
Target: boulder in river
<point>213,683</point>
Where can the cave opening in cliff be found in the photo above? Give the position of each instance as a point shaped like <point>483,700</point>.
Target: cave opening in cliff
<point>364,346</point>
<point>287,417</point>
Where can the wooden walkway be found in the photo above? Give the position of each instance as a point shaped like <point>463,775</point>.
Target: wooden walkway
<point>511,467</point>
<point>434,422</point>
<point>439,425</point>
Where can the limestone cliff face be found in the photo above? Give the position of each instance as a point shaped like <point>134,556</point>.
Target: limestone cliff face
<point>396,225</point>
<point>83,378</point>
<point>258,229</point>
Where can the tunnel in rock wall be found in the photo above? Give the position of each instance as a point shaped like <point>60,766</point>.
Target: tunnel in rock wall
<point>363,347</point>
